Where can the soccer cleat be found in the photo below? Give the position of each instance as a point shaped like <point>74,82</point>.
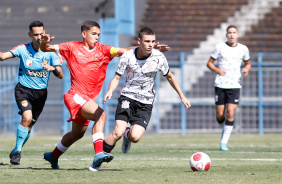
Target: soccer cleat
<point>223,147</point>
<point>15,158</point>
<point>92,168</point>
<point>99,159</point>
<point>48,156</point>
<point>126,143</point>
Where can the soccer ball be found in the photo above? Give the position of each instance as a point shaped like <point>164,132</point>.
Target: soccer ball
<point>200,161</point>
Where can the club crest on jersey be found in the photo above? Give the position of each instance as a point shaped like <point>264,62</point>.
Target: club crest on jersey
<point>28,62</point>
<point>125,104</point>
<point>24,103</point>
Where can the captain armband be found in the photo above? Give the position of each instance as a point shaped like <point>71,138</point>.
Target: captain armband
<point>56,72</point>
<point>114,52</point>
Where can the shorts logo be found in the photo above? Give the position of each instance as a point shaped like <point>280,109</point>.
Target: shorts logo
<point>145,122</point>
<point>28,62</point>
<point>236,100</point>
<point>24,103</point>
<point>125,104</point>
<point>216,98</point>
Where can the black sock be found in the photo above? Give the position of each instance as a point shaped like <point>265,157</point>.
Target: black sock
<point>107,148</point>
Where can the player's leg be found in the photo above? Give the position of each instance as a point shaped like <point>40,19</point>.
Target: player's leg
<point>93,112</point>
<point>232,100</point>
<point>110,141</point>
<point>141,115</point>
<point>220,100</point>
<point>68,139</point>
<point>22,95</point>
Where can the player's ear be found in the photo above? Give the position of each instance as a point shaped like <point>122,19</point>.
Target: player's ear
<point>138,40</point>
<point>29,34</point>
<point>83,33</point>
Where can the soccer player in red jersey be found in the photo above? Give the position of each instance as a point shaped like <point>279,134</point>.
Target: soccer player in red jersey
<point>87,61</point>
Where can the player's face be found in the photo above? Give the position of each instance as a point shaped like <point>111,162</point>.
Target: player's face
<point>232,36</point>
<point>147,43</point>
<point>91,37</point>
<point>35,35</point>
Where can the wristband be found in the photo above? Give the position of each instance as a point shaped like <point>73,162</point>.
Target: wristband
<point>56,72</point>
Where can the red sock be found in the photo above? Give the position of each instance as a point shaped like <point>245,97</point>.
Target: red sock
<point>98,146</point>
<point>57,153</point>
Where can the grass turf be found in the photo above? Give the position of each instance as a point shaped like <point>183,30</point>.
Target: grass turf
<point>155,159</point>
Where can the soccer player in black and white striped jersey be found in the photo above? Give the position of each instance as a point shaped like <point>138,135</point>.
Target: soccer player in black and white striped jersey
<point>227,84</point>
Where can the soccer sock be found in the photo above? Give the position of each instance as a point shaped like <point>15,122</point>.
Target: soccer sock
<point>107,148</point>
<point>59,150</point>
<point>22,133</point>
<point>221,123</point>
<point>98,139</point>
<point>27,137</point>
<point>228,127</point>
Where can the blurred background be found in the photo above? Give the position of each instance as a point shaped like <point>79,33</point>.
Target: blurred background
<point>191,28</point>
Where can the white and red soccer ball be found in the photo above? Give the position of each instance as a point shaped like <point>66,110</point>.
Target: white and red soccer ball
<point>200,161</point>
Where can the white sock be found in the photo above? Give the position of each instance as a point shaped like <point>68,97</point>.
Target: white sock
<point>61,147</point>
<point>226,133</point>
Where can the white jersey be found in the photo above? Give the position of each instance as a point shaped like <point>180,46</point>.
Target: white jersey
<point>230,59</point>
<point>140,78</point>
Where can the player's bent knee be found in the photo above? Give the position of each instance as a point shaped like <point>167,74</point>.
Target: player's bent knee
<point>134,139</point>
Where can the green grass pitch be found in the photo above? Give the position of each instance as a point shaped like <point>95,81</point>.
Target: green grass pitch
<point>251,158</point>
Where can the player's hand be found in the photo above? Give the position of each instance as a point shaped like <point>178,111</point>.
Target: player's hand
<point>245,72</point>
<point>45,38</point>
<point>186,102</point>
<point>161,47</point>
<point>221,72</point>
<point>46,66</point>
<point>108,95</point>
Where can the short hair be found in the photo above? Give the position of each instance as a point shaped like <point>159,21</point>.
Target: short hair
<point>88,24</point>
<point>35,23</point>
<point>145,31</point>
<point>231,26</point>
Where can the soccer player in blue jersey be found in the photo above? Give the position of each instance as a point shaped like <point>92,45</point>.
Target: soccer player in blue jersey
<point>33,76</point>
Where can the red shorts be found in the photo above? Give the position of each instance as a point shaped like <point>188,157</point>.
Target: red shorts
<point>74,102</point>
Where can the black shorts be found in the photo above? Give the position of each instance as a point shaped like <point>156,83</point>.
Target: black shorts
<point>225,96</point>
<point>30,99</point>
<point>133,111</point>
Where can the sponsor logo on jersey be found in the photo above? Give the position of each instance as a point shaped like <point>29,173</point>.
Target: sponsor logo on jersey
<point>24,103</point>
<point>28,62</point>
<point>34,73</point>
<point>125,104</point>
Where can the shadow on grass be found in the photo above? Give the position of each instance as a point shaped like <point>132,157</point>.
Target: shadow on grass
<point>62,169</point>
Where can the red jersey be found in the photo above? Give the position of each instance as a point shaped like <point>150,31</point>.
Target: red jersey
<point>87,67</point>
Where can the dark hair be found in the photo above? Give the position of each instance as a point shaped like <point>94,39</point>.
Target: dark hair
<point>35,23</point>
<point>88,24</point>
<point>231,26</point>
<point>145,31</point>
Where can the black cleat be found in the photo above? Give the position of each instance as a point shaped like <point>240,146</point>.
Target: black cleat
<point>15,158</point>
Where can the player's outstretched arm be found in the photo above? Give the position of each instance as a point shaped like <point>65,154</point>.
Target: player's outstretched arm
<point>213,68</point>
<point>112,87</point>
<point>5,55</point>
<point>172,81</point>
<point>45,40</point>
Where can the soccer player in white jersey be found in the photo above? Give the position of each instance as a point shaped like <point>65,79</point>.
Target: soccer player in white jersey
<point>228,79</point>
<point>137,95</point>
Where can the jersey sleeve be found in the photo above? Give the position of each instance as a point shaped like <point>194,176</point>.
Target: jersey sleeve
<point>246,55</point>
<point>63,50</point>
<point>163,65</point>
<point>123,62</point>
<point>56,60</point>
<point>215,52</point>
<point>16,50</point>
